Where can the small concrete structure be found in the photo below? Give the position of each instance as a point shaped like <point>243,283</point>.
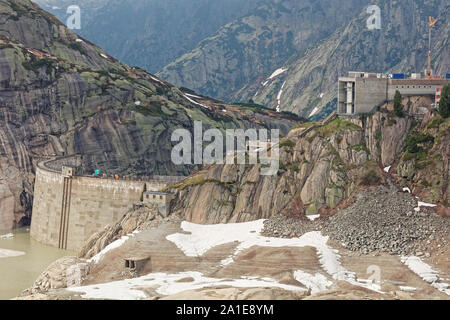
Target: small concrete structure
<point>68,171</point>
<point>363,92</point>
<point>161,199</point>
<point>136,264</point>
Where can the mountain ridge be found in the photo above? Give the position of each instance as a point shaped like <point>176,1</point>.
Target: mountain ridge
<point>62,95</point>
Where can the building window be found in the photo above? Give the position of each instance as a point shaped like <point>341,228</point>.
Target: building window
<point>148,196</point>
<point>160,197</point>
<point>154,197</point>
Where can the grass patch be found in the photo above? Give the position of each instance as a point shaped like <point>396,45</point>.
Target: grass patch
<point>78,47</point>
<point>152,110</point>
<point>287,143</point>
<point>337,125</point>
<point>420,156</point>
<point>305,125</point>
<point>190,182</point>
<point>435,123</point>
<point>37,64</point>
<point>361,147</point>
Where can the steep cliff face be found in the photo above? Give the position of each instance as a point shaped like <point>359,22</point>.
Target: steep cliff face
<point>257,44</point>
<point>62,95</point>
<point>308,87</point>
<point>320,168</point>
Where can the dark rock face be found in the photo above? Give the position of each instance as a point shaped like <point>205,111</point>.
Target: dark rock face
<point>150,34</point>
<point>62,95</point>
<point>256,45</point>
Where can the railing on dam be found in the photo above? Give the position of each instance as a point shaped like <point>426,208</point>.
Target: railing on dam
<point>56,165</point>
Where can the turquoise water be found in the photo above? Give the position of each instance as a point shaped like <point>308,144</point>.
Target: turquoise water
<point>19,273</point>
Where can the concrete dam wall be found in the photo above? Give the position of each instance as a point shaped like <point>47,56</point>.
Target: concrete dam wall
<point>68,209</point>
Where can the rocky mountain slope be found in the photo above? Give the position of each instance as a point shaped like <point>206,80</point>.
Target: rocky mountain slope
<point>283,54</point>
<point>257,44</point>
<point>322,166</point>
<point>62,95</point>
<point>150,33</point>
<point>308,87</point>
<point>313,43</point>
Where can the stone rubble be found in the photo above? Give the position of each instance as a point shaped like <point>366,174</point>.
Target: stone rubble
<point>382,219</point>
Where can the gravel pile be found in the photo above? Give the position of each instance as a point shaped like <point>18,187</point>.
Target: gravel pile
<point>283,227</point>
<point>381,219</point>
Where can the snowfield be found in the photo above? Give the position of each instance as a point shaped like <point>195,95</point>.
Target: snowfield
<point>313,112</point>
<point>426,272</point>
<point>202,238</point>
<point>169,284</point>
<point>423,204</point>
<point>276,73</point>
<point>111,246</point>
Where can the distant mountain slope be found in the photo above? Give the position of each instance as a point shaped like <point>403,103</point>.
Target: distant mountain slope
<point>229,49</point>
<point>62,95</point>
<point>257,44</point>
<point>400,46</point>
<point>150,33</point>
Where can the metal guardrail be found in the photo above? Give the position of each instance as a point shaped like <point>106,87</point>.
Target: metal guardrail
<point>56,163</point>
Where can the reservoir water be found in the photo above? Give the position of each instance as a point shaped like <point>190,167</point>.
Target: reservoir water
<point>22,260</point>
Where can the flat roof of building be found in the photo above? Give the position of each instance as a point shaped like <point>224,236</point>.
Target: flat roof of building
<point>419,81</point>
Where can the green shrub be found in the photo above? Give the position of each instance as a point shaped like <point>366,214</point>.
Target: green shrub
<point>35,65</point>
<point>78,47</point>
<point>414,141</point>
<point>398,106</point>
<point>444,103</point>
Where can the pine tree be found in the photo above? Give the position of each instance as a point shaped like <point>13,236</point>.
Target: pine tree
<point>398,107</point>
<point>444,105</point>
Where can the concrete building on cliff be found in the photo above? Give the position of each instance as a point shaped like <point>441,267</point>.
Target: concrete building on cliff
<point>364,92</point>
<point>69,208</point>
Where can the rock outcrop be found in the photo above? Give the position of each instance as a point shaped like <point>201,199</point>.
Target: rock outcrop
<point>133,220</point>
<point>320,167</point>
<point>62,273</point>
